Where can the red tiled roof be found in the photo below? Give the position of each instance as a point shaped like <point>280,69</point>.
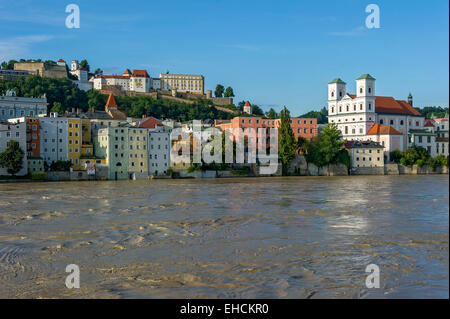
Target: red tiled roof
<point>378,129</point>
<point>150,122</point>
<point>140,74</point>
<point>127,72</point>
<point>387,104</point>
<point>117,115</point>
<point>111,101</point>
<point>61,60</point>
<point>113,77</point>
<point>428,124</point>
<point>247,103</point>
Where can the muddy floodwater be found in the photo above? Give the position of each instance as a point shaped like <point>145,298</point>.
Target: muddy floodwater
<point>296,237</point>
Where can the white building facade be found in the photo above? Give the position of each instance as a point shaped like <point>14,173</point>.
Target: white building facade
<point>356,114</point>
<point>12,106</point>
<point>54,138</point>
<point>138,81</point>
<point>158,150</point>
<point>17,132</point>
<point>185,83</point>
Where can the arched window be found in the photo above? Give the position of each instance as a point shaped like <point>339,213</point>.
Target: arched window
<point>332,94</point>
<point>360,90</point>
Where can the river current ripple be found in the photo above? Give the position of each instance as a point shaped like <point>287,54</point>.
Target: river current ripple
<point>296,237</point>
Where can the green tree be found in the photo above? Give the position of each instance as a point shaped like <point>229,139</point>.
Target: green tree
<point>257,110</point>
<point>396,155</point>
<point>57,108</point>
<point>325,148</point>
<point>219,90</point>
<point>8,65</point>
<point>11,158</point>
<point>84,64</point>
<point>272,114</point>
<point>229,92</point>
<point>287,143</point>
<point>321,116</point>
<point>98,71</point>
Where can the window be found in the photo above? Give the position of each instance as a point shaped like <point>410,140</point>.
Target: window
<point>370,90</point>
<point>391,122</point>
<point>370,106</point>
<point>381,121</point>
<point>401,122</point>
<point>360,90</point>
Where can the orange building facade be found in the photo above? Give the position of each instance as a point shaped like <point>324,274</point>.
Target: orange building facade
<point>304,127</point>
<point>33,137</point>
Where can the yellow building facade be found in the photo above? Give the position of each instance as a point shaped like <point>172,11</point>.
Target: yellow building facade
<point>78,141</point>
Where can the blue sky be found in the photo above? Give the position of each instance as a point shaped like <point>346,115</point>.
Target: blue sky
<point>272,53</point>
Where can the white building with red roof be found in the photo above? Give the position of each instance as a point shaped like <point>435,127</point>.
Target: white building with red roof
<point>355,115</point>
<point>137,81</point>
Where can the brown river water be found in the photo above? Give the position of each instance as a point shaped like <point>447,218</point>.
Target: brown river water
<point>297,237</point>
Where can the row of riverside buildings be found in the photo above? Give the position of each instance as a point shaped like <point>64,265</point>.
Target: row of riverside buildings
<point>107,144</point>
<point>125,148</point>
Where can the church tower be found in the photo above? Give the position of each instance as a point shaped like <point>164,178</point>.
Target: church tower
<point>248,108</point>
<point>410,99</point>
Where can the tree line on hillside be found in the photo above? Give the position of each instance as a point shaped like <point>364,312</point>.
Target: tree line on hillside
<point>63,95</point>
<point>433,111</point>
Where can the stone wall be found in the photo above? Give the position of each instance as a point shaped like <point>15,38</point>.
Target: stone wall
<point>42,69</point>
<point>391,169</point>
<point>367,171</point>
<point>300,167</point>
<point>58,176</point>
<point>224,109</point>
<point>222,100</point>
